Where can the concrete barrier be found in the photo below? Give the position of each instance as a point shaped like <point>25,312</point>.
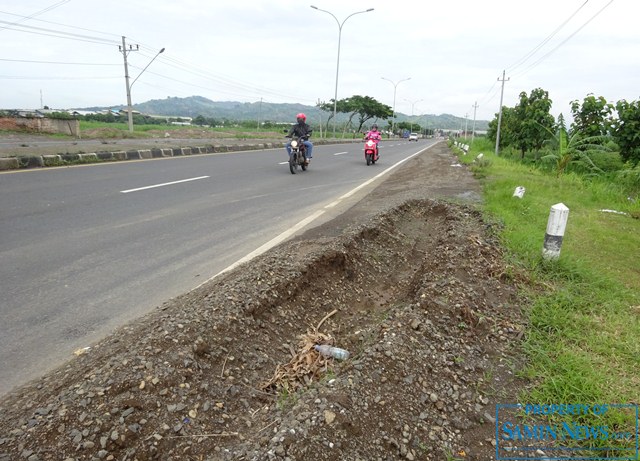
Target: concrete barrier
<point>9,163</point>
<point>51,160</point>
<point>105,155</point>
<point>88,157</point>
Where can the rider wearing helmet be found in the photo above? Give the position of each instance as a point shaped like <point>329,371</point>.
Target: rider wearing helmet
<point>374,135</point>
<point>301,130</point>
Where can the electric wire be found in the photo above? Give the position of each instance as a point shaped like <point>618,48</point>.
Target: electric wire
<point>240,88</point>
<point>522,60</point>
<point>546,40</point>
<point>542,58</point>
<point>25,18</point>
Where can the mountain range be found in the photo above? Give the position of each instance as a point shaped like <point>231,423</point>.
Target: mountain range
<point>194,106</point>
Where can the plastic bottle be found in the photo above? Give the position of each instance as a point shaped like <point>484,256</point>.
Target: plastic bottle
<point>331,351</point>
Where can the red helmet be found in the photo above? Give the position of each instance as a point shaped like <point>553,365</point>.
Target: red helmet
<point>302,116</point>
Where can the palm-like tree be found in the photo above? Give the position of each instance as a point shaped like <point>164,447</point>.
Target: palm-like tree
<point>573,148</point>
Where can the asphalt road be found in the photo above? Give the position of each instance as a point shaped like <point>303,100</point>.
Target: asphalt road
<point>87,249</point>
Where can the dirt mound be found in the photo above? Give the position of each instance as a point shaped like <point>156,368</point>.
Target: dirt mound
<point>413,287</point>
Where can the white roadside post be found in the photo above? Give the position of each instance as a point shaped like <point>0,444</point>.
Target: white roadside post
<point>555,231</point>
<point>519,192</point>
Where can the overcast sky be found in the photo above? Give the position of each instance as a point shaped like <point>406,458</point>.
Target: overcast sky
<point>64,53</point>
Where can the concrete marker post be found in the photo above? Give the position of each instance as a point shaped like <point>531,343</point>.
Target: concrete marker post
<point>556,226</point>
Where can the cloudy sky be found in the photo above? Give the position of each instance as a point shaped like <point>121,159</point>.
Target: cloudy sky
<point>65,53</point>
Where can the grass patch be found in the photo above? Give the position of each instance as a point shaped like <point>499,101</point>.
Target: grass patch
<point>583,340</point>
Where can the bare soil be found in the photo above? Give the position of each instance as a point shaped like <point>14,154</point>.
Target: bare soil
<point>411,281</point>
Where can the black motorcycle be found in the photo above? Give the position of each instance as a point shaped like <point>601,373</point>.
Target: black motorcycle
<point>297,158</point>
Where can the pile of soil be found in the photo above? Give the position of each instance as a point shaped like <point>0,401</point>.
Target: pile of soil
<point>411,281</point>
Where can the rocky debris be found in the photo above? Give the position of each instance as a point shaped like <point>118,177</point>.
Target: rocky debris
<point>423,302</point>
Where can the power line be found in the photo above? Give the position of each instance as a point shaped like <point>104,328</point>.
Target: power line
<point>49,8</point>
<point>241,88</point>
<point>58,62</point>
<point>545,41</point>
<point>564,41</point>
<point>58,34</point>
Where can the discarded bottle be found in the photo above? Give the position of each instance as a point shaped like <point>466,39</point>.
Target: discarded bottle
<point>331,351</point>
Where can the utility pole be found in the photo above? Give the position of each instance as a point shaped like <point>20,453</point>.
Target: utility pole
<point>473,130</point>
<point>259,115</point>
<point>466,123</point>
<point>125,51</point>
<point>500,114</point>
<point>318,104</point>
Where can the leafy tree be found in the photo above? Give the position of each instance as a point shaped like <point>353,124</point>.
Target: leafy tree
<point>508,127</point>
<point>200,121</point>
<point>341,106</point>
<point>573,148</point>
<point>365,107</point>
<point>533,120</point>
<point>626,130</point>
<point>592,117</point>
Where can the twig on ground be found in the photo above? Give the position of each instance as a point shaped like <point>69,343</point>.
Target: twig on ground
<point>325,318</point>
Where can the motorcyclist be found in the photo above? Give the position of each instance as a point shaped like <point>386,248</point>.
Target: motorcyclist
<point>301,130</point>
<point>374,135</point>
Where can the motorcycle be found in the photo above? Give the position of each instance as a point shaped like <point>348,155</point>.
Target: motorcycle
<point>297,158</point>
<point>371,151</point>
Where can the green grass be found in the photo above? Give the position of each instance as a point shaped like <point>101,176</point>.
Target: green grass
<point>583,339</point>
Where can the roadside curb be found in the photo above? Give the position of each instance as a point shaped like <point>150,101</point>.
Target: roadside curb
<point>57,160</point>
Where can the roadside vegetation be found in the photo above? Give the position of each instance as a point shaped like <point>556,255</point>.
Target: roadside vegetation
<point>583,340</point>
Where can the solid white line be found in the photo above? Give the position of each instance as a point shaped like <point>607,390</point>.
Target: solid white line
<point>163,184</point>
<point>286,234</point>
<point>270,244</point>
<point>366,183</point>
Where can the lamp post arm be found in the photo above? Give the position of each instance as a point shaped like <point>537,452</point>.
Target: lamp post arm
<point>154,58</point>
<point>335,96</point>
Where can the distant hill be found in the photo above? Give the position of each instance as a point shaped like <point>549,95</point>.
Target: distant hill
<point>232,110</point>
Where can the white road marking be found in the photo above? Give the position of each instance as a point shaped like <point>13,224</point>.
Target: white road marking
<point>340,153</point>
<point>300,225</point>
<point>162,185</point>
<point>270,244</point>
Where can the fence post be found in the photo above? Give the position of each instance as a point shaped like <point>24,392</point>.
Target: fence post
<point>556,226</point>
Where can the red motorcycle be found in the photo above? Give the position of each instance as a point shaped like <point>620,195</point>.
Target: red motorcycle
<point>370,151</point>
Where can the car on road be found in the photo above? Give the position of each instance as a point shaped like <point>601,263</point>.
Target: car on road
<point>413,137</point>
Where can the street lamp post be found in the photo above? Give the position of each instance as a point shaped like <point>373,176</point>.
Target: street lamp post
<point>126,75</point>
<point>413,103</point>
<point>395,87</point>
<point>340,24</point>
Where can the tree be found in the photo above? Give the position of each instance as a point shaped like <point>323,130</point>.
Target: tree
<point>200,121</point>
<point>341,106</point>
<point>592,117</point>
<point>573,148</point>
<point>365,107</point>
<point>508,127</point>
<point>533,120</point>
<point>626,130</point>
